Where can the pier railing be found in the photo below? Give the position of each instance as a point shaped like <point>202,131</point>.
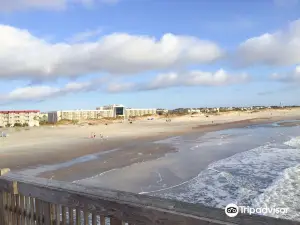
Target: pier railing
<point>26,200</point>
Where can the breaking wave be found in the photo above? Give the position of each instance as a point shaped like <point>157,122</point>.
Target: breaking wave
<point>294,142</point>
<point>265,176</point>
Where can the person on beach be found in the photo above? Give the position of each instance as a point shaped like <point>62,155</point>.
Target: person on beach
<point>93,135</point>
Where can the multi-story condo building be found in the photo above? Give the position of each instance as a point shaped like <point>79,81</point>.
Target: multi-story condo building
<point>20,117</point>
<point>120,110</point>
<point>78,114</point>
<point>100,112</point>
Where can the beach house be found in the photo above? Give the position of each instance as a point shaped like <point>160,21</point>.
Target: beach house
<point>19,118</point>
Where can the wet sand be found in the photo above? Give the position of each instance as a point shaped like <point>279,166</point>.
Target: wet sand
<point>289,124</point>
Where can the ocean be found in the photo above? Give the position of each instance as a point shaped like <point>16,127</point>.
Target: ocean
<point>256,166</point>
<point>266,176</point>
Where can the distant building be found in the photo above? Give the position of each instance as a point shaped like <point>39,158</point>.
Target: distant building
<point>162,111</point>
<point>20,117</point>
<point>78,114</point>
<point>121,110</point>
<point>192,110</point>
<point>100,112</point>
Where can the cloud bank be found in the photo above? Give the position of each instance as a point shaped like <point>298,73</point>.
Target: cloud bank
<point>290,77</point>
<point>272,49</point>
<point>23,55</point>
<point>193,78</point>
<point>27,57</point>
<point>185,79</point>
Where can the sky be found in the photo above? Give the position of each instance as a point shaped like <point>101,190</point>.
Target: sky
<point>81,54</point>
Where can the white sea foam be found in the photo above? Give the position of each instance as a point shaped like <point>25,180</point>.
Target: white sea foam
<point>242,178</point>
<point>283,193</point>
<point>294,142</point>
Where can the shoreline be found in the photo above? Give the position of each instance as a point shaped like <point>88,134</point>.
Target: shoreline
<point>168,167</point>
<point>135,147</point>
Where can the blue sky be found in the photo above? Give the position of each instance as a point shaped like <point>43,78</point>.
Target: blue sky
<point>67,54</point>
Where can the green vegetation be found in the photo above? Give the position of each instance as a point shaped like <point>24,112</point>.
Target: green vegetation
<point>110,118</point>
<point>146,115</point>
<point>44,123</point>
<point>43,118</point>
<point>67,122</point>
<point>175,114</point>
<point>21,125</point>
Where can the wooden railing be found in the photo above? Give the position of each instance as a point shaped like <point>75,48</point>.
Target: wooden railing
<point>26,200</point>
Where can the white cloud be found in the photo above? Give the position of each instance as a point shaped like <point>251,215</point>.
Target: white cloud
<point>290,77</point>
<point>274,49</point>
<point>43,92</point>
<point>192,78</point>
<point>32,93</point>
<point>17,5</point>
<point>83,36</point>
<point>24,56</point>
<point>122,87</point>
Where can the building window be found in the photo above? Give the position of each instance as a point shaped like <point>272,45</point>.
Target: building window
<point>119,111</point>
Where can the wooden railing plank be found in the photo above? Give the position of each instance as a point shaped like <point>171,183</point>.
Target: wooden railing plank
<point>86,217</point>
<point>2,209</point>
<point>9,208</point>
<point>6,212</point>
<point>114,221</point>
<point>47,213</point>
<point>26,210</point>
<point>102,220</point>
<point>71,216</point>
<point>94,219</point>
<point>123,206</point>
<point>63,213</point>
<point>78,216</point>
<point>13,207</point>
<point>57,211</point>
<point>23,210</point>
<point>39,211</point>
<point>17,209</point>
<point>32,211</point>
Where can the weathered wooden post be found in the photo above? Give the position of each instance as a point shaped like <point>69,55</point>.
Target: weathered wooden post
<point>3,218</point>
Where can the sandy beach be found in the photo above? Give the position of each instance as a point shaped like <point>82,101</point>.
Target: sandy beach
<point>68,153</point>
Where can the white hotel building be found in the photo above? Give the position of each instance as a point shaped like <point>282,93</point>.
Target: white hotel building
<point>10,118</point>
<point>100,112</point>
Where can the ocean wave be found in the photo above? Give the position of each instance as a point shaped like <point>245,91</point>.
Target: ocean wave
<point>294,142</point>
<point>283,193</point>
<point>238,179</point>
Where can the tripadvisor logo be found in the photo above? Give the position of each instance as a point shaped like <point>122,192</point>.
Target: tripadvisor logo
<point>231,210</point>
